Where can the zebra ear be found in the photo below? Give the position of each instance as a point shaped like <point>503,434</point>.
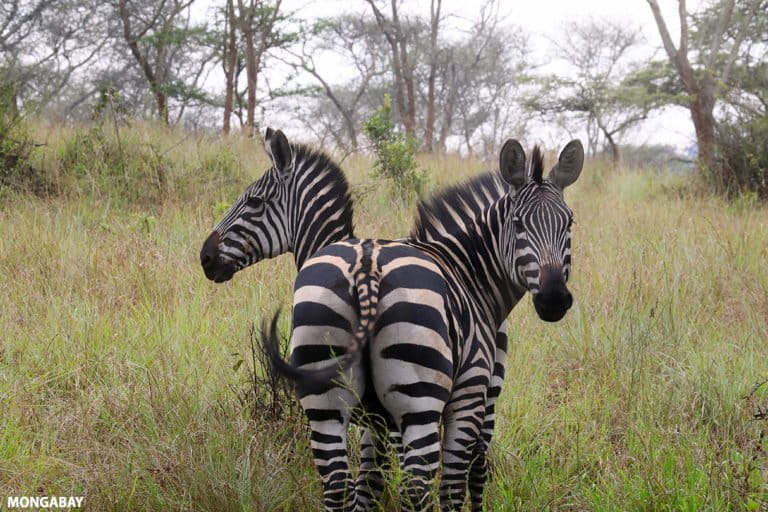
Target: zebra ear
<point>512,163</point>
<point>279,150</point>
<point>568,167</point>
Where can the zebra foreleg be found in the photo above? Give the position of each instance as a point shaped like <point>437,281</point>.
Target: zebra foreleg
<point>478,473</point>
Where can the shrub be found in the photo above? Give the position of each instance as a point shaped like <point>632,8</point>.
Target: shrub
<point>395,153</point>
<point>267,395</point>
<point>111,166</point>
<point>741,159</point>
<point>16,170</point>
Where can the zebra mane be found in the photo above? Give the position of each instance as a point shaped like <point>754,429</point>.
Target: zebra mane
<point>311,163</point>
<point>438,213</point>
<point>537,165</point>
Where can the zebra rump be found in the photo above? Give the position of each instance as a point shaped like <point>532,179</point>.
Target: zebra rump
<point>367,287</point>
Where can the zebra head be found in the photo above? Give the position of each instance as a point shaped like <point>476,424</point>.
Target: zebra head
<point>537,228</point>
<point>300,204</point>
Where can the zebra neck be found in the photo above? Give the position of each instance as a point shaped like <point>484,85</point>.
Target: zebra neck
<point>305,244</point>
<point>472,259</point>
<point>321,212</point>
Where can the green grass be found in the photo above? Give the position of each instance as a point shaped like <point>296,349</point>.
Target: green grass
<point>118,366</point>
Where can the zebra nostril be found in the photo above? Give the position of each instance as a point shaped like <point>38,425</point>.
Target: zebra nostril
<point>209,251</point>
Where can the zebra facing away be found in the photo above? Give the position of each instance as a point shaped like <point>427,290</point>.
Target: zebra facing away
<point>300,204</point>
<point>424,350</point>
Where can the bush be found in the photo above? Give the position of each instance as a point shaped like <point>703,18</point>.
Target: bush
<point>267,394</point>
<point>741,159</point>
<point>107,165</point>
<point>16,170</point>
<point>395,153</point>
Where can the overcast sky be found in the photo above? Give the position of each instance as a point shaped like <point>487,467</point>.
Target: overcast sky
<point>544,20</point>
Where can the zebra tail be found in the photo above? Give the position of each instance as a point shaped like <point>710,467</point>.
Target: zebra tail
<point>367,286</point>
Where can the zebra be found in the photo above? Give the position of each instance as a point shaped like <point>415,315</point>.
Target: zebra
<point>300,204</point>
<point>425,349</point>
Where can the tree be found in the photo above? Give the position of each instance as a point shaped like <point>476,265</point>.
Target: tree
<point>403,62</point>
<point>483,76</point>
<point>230,62</point>
<point>43,43</point>
<point>434,25</point>
<point>164,43</point>
<point>706,69</point>
<point>259,23</point>
<point>357,41</point>
<point>596,91</point>
<point>464,87</point>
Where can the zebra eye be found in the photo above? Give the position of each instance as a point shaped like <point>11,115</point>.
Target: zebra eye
<point>254,202</point>
<point>517,221</point>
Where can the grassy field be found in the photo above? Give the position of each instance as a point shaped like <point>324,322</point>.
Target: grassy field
<point>120,364</point>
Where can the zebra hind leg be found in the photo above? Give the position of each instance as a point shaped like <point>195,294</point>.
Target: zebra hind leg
<point>478,472</point>
<point>328,441</point>
<point>374,463</point>
<point>420,457</point>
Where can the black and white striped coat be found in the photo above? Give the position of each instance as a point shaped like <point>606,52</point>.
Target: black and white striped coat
<point>300,204</point>
<point>428,352</point>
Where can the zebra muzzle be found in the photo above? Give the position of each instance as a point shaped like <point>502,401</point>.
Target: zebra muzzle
<point>215,269</point>
<point>553,300</point>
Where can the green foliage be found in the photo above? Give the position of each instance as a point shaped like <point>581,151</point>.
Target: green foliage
<point>109,103</point>
<point>104,165</point>
<point>741,159</point>
<point>129,166</point>
<point>395,153</point>
<point>16,146</point>
<point>118,375</point>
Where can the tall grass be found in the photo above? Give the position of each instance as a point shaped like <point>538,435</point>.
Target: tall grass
<point>119,367</point>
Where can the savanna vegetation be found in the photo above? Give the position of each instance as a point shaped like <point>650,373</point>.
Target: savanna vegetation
<point>127,377</point>
<point>128,127</point>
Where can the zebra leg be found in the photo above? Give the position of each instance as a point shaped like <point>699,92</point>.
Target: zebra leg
<point>328,441</point>
<point>420,458</point>
<point>461,437</point>
<point>329,410</point>
<point>479,467</point>
<point>374,461</point>
<point>478,473</point>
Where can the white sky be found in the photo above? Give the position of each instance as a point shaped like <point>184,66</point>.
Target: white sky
<point>543,20</point>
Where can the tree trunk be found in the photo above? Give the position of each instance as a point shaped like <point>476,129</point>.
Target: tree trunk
<point>702,112</point>
<point>429,129</point>
<point>404,87</point>
<point>161,100</point>
<point>251,73</point>
<point>615,152</point>
<point>229,63</point>
<point>449,107</point>
<point>406,72</point>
